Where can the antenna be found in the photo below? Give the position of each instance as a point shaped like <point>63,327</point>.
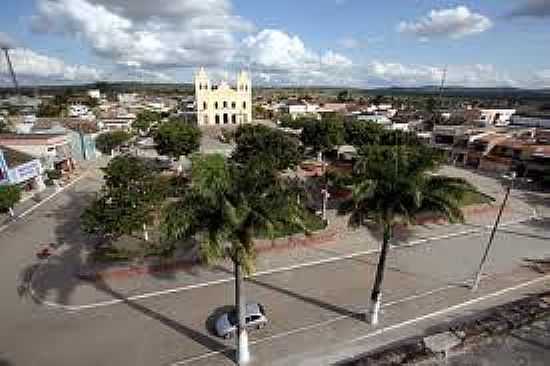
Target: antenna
<point>442,86</point>
<point>10,68</point>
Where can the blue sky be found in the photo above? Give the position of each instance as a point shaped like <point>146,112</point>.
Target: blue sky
<point>284,42</point>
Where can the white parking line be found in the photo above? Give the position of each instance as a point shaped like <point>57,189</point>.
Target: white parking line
<point>35,206</point>
<point>382,330</point>
<point>257,274</point>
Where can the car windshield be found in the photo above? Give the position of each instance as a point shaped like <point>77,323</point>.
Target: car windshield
<point>232,317</point>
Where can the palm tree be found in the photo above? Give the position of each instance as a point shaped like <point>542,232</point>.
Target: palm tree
<point>395,184</point>
<point>225,207</point>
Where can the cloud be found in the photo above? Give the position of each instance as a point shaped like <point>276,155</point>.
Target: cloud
<point>532,8</point>
<point>280,58</point>
<point>452,23</point>
<point>32,68</point>
<point>350,43</point>
<point>176,33</point>
<point>6,41</point>
<point>477,75</point>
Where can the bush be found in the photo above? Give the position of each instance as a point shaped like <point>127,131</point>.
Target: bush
<point>9,196</point>
<point>53,174</point>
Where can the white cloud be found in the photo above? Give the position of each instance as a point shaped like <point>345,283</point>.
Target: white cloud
<point>453,23</point>
<point>31,67</point>
<point>279,58</point>
<point>477,75</point>
<point>163,33</point>
<point>349,43</point>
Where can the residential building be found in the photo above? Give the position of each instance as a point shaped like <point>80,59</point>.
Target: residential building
<point>496,117</point>
<point>78,110</point>
<point>223,105</point>
<point>94,93</point>
<point>18,168</point>
<point>53,150</point>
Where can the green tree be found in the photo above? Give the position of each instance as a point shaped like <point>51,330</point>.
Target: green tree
<point>128,200</point>
<point>49,110</point>
<point>145,119</point>
<point>224,212</point>
<point>323,135</point>
<point>109,141</point>
<point>395,185</point>
<point>359,133</point>
<point>343,96</point>
<point>272,147</point>
<point>9,196</point>
<point>175,138</point>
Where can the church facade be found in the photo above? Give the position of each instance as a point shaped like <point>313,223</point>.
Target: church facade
<point>223,105</point>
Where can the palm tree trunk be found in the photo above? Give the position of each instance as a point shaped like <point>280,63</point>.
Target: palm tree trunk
<point>243,354</point>
<point>376,294</point>
<point>145,233</point>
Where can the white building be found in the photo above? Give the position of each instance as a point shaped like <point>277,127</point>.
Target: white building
<point>223,105</point>
<point>127,98</point>
<point>78,110</point>
<point>498,117</point>
<point>94,93</point>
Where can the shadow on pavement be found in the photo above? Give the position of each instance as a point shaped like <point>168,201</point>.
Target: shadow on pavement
<point>69,242</point>
<point>197,336</point>
<point>4,362</point>
<point>307,299</point>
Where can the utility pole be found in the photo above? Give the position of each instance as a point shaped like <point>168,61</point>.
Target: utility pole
<point>477,278</point>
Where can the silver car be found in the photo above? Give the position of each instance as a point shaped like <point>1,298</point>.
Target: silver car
<point>226,324</point>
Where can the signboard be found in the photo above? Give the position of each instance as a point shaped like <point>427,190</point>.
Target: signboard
<point>25,172</point>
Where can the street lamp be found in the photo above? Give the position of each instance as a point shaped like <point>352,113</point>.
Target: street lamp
<point>511,177</point>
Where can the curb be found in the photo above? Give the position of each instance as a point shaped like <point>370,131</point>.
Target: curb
<point>464,333</point>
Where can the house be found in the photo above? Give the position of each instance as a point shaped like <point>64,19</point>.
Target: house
<point>53,150</point>
<point>94,93</point>
<point>81,134</point>
<point>116,120</point>
<point>18,168</point>
<point>222,104</point>
<point>78,110</point>
<point>300,108</point>
<point>525,151</point>
<point>496,117</point>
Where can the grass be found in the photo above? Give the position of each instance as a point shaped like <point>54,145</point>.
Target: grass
<point>311,222</point>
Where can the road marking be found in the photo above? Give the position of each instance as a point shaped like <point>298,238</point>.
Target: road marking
<point>50,197</point>
<point>258,274</point>
<point>382,330</point>
<point>451,309</point>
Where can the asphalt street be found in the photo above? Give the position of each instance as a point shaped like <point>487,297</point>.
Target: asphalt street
<point>314,309</point>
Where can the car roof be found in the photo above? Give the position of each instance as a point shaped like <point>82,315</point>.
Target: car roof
<point>253,309</point>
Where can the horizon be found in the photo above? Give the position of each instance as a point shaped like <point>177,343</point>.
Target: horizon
<point>332,43</point>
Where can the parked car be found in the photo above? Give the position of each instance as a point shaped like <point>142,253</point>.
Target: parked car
<point>226,324</point>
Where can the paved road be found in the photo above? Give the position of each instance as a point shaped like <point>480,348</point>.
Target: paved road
<point>313,309</point>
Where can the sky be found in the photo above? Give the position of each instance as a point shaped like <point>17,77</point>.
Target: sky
<point>346,43</point>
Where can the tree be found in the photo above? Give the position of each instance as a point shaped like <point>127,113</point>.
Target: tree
<point>272,147</point>
<point>145,119</point>
<point>358,133</point>
<point>9,196</point>
<point>343,96</point>
<point>224,212</point>
<point>175,138</point>
<point>395,185</point>
<point>127,201</point>
<point>49,110</point>
<point>109,141</point>
<point>323,135</point>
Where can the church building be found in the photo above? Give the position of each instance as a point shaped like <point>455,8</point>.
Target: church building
<point>221,104</point>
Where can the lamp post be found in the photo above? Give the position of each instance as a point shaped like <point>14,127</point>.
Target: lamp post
<point>477,277</point>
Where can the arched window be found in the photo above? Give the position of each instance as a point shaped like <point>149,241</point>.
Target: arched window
<point>204,105</point>
<point>217,119</point>
<point>225,104</point>
<point>246,87</point>
<point>234,119</point>
<point>244,105</point>
<point>233,105</point>
<point>216,105</point>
